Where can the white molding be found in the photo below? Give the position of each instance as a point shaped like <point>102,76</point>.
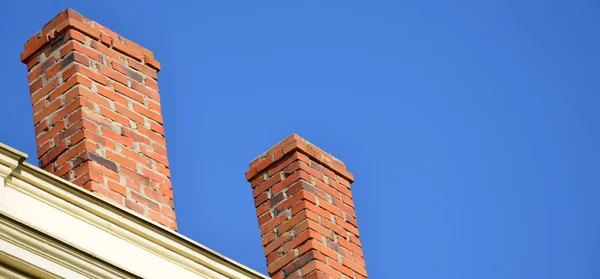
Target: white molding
<point>25,241</point>
<point>10,273</point>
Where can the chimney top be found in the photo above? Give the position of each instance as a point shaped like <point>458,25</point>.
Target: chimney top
<point>296,143</point>
<point>70,19</point>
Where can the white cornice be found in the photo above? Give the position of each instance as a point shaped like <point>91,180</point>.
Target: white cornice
<point>16,237</point>
<point>10,159</point>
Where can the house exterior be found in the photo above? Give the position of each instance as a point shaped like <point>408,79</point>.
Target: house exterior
<point>99,204</point>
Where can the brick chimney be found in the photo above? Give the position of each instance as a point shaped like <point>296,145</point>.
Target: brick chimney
<point>97,114</point>
<point>305,213</point>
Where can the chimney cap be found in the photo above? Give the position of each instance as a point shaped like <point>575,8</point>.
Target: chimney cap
<point>70,19</point>
<point>296,143</point>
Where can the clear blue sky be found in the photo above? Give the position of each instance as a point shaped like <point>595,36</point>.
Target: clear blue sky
<point>472,127</point>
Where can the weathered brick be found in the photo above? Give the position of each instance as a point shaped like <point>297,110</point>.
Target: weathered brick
<point>127,71</point>
<point>117,187</point>
<point>97,114</point>
<point>148,113</point>
<point>142,68</point>
<point>315,191</point>
<point>129,93</point>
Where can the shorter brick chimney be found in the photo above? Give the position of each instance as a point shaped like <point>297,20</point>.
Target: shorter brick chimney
<point>306,213</point>
<point>97,114</point>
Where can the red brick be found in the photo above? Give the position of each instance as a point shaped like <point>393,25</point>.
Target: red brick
<point>31,63</point>
<point>301,196</point>
<point>151,174</point>
<point>164,170</point>
<point>126,71</point>
<point>278,243</point>
<point>117,138</point>
<point>296,156</point>
<point>353,248</point>
<point>296,220</point>
<point>143,69</point>
<point>120,160</point>
<point>146,91</point>
<point>266,239</point>
<point>134,176</point>
<point>157,128</point>
<point>280,263</point>
<point>42,93</point>
<point>166,191</point>
<point>314,243</point>
<point>36,85</point>
<point>136,157</point>
<point>75,68</point>
<point>157,138</point>
<point>345,208</point>
<point>303,260</point>
<point>112,95</point>
<point>159,149</point>
<point>347,226</point>
<point>95,98</point>
<point>43,149</point>
<point>52,132</point>
<point>106,173</point>
<point>309,206</point>
<point>108,113</point>
<point>134,206</point>
<point>76,150</point>
<point>128,48</point>
<point>262,209</point>
<point>321,266</point>
<point>112,74</point>
<point>152,84</point>
<point>129,113</point>
<point>67,61</point>
<point>152,63</point>
<point>316,275</point>
<point>301,238</point>
<point>333,227</point>
<point>133,185</point>
<point>145,201</point>
<point>167,210</point>
<point>266,185</point>
<point>313,225</point>
<point>122,89</point>
<point>37,118</point>
<point>273,224</point>
<point>117,187</point>
<point>337,266</point>
<point>359,260</point>
<point>290,180</point>
<point>148,113</point>
<point>110,194</point>
<point>105,50</point>
<point>329,207</point>
<point>69,84</point>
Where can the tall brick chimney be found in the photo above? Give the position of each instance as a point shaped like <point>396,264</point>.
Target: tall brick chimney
<point>305,213</point>
<point>97,114</point>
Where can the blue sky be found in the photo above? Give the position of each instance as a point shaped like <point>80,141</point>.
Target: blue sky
<point>471,126</point>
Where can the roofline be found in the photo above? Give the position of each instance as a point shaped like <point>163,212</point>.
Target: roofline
<point>120,216</point>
